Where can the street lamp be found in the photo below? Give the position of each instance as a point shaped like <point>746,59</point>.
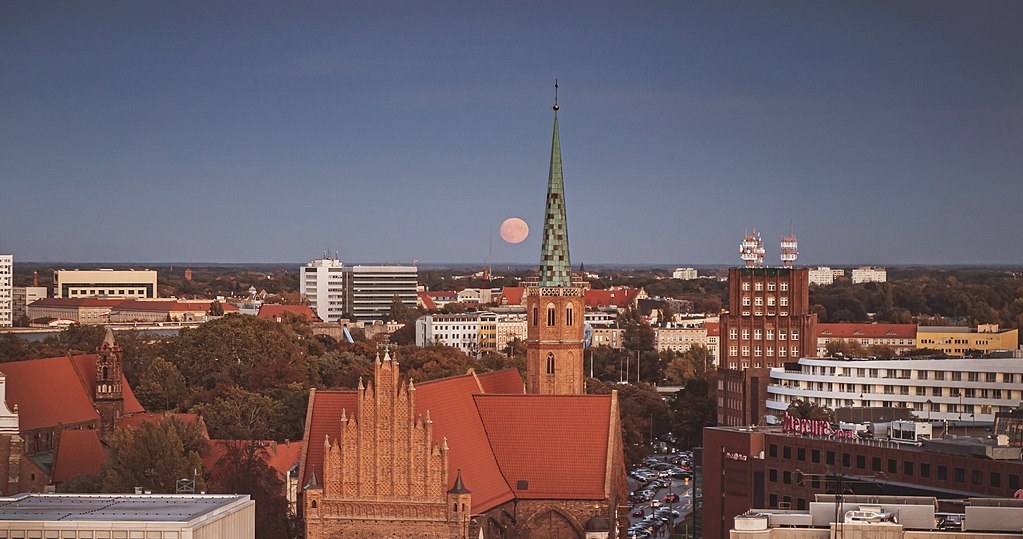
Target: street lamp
<point>929,403</point>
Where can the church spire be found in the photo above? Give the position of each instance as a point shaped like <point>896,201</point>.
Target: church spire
<point>555,267</point>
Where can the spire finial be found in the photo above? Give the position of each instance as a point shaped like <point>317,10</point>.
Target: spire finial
<point>556,107</point>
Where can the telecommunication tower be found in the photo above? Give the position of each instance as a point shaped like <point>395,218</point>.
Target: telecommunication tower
<point>789,249</point>
<point>751,250</point>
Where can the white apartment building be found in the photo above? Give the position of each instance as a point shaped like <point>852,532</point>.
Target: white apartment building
<point>685,274</point>
<point>321,283</point>
<point>461,331</point>
<point>369,290</point>
<point>23,295</point>
<point>679,339</point>
<point>104,283</point>
<point>6,285</point>
<point>822,276</point>
<point>869,274</point>
<point>961,390</point>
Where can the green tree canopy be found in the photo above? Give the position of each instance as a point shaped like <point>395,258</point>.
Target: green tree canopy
<point>154,456</point>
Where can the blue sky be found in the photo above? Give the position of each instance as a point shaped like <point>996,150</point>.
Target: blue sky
<point>885,132</point>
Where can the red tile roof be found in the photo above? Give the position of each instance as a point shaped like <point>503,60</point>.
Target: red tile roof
<point>164,306</point>
<point>512,295</point>
<point>713,329</point>
<point>76,302</point>
<point>454,415</point>
<point>503,382</point>
<point>426,301</point>
<point>86,366</point>
<point>322,420</point>
<point>865,331</point>
<point>273,312</point>
<point>79,452</point>
<point>617,297</point>
<point>57,391</point>
<point>447,295</point>
<point>495,439</point>
<point>560,455</point>
<point>279,456</point>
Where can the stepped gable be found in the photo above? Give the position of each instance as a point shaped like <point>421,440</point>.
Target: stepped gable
<point>323,418</point>
<point>562,455</point>
<point>80,452</point>
<point>502,382</point>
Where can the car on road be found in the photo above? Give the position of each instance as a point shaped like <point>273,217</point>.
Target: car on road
<point>671,497</point>
<point>638,512</point>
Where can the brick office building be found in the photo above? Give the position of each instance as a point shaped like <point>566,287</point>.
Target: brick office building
<point>475,455</point>
<point>768,323</point>
<point>769,468</point>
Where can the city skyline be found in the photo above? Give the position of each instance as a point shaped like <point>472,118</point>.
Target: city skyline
<point>241,132</point>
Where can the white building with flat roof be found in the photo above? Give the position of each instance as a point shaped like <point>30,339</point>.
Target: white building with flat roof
<point>110,516</point>
<point>869,274</point>
<point>962,390</point>
<point>685,274</point>
<point>321,283</point>
<point>821,276</point>
<point>21,296</point>
<point>6,285</point>
<point>104,283</point>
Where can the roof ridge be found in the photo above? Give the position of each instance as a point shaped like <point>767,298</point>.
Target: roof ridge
<point>81,377</point>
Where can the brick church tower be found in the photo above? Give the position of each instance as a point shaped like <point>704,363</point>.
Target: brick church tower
<point>554,305</point>
<point>108,397</point>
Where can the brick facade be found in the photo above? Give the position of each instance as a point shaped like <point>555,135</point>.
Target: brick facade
<point>768,323</point>
<point>554,341</point>
<point>385,477</point>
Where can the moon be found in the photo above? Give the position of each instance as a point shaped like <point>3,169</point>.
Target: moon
<point>514,230</point>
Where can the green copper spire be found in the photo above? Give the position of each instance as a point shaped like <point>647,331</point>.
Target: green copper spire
<point>555,268</point>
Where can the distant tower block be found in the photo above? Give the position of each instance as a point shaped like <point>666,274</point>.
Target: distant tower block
<point>188,274</point>
<point>751,250</point>
<point>789,249</point>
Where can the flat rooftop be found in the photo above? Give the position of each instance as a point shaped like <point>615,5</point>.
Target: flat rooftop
<point>114,507</point>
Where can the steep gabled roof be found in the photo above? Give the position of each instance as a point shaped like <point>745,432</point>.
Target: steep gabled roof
<point>323,419</point>
<point>512,295</point>
<point>58,391</point>
<point>559,455</point>
<point>79,452</point>
<point>426,301</point>
<point>502,382</point>
<point>86,367</point>
<point>274,312</point>
<point>450,402</point>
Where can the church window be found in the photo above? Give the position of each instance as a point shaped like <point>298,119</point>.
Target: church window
<point>550,362</point>
<point>536,316</point>
<point>569,315</point>
<point>106,373</point>
<point>314,504</point>
<point>551,315</point>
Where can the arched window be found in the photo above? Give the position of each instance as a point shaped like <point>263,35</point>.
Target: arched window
<point>569,315</point>
<point>552,315</point>
<point>536,316</point>
<point>314,504</point>
<point>106,374</point>
<point>550,362</point>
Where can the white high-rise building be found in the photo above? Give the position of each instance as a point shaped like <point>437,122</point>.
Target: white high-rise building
<point>369,290</point>
<point>6,282</point>
<point>321,283</point>
<point>685,274</point>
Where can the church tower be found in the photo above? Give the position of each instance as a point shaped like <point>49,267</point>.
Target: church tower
<point>554,305</point>
<point>109,401</point>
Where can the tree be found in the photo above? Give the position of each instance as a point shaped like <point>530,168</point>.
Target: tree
<point>216,309</point>
<point>695,407</point>
<point>242,414</point>
<point>400,312</point>
<point>802,409</point>
<point>643,412</point>
<point>244,469</point>
<point>161,386</point>
<point>154,456</point>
